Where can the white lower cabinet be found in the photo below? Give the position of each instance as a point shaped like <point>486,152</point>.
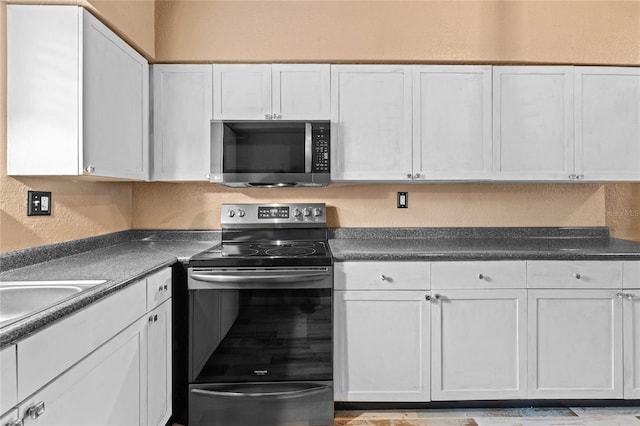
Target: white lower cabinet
<point>107,364</point>
<point>105,388</point>
<point>575,344</point>
<point>381,346</point>
<point>479,344</point>
<point>159,378</point>
<point>631,327</point>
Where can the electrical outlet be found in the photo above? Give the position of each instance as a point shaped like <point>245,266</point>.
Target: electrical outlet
<point>38,203</point>
<point>403,200</point>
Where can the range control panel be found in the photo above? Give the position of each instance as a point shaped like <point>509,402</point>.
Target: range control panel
<point>273,215</point>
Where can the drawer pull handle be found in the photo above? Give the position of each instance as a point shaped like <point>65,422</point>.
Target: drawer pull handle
<point>383,277</point>
<point>480,276</point>
<point>577,276</point>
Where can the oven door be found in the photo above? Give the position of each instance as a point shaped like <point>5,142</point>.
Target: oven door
<point>260,324</point>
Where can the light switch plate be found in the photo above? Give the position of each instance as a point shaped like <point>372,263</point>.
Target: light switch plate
<point>38,203</point>
<point>403,200</point>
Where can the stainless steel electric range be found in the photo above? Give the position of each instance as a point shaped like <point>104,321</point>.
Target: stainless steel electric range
<point>260,320</point>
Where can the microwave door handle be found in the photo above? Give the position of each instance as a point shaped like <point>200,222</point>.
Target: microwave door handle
<point>308,137</point>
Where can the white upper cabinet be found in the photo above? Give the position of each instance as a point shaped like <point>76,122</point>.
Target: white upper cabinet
<point>78,96</point>
<point>607,112</point>
<point>182,110</point>
<point>301,92</point>
<point>452,122</point>
<point>533,123</point>
<point>266,92</point>
<point>371,123</point>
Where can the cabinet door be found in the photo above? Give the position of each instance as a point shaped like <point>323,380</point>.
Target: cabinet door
<point>301,91</point>
<point>182,108</point>
<point>102,389</point>
<point>8,378</point>
<point>533,123</point>
<point>371,123</point>
<point>43,118</point>
<point>381,346</point>
<point>242,92</point>
<point>575,344</point>
<point>452,122</point>
<point>607,123</point>
<point>159,365</point>
<point>631,327</point>
<point>479,344</point>
<point>115,94</point>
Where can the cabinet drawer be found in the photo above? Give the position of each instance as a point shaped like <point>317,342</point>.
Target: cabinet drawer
<point>8,378</point>
<point>574,274</point>
<point>631,275</point>
<point>158,288</point>
<point>381,276</point>
<point>49,352</point>
<point>469,275</point>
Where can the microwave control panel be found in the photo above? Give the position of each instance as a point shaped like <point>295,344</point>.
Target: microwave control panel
<point>321,154</point>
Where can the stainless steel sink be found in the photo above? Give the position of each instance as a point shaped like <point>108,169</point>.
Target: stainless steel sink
<point>21,298</point>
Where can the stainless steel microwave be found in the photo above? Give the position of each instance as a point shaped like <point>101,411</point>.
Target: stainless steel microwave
<point>271,153</point>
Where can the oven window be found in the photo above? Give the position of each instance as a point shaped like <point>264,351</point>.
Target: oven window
<point>259,335</point>
<point>254,148</point>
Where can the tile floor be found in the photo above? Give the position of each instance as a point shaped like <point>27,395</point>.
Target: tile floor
<point>583,416</point>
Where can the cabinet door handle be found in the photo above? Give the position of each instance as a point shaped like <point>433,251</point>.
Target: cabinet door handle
<point>620,295</point>
<point>629,296</point>
<point>36,411</point>
<point>268,116</point>
<point>89,169</point>
<point>577,276</point>
<point>383,277</point>
<point>409,175</point>
<point>427,297</point>
<point>277,116</point>
<point>436,296</point>
<point>480,277</point>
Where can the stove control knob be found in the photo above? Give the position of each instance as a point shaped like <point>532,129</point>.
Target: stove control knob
<point>317,212</point>
<point>231,213</point>
<point>240,212</point>
<point>296,212</point>
<point>307,212</point>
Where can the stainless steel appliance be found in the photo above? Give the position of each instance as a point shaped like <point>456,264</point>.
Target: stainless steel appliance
<point>271,153</point>
<point>260,320</point>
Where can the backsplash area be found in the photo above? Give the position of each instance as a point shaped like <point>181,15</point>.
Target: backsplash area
<point>197,206</point>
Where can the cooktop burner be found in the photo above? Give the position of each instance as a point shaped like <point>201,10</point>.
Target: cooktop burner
<point>278,249</point>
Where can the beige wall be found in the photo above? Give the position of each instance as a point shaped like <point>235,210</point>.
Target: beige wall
<point>557,31</point>
<point>197,206</point>
<point>80,208</point>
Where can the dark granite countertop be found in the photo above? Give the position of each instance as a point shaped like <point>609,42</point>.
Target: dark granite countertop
<point>120,259</point>
<point>451,244</point>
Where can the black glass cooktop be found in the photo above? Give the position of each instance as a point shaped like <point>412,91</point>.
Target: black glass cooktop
<point>265,253</point>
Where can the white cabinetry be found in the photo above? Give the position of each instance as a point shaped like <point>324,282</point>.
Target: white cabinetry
<point>371,115</point>
<point>478,330</point>
<point>451,122</point>
<point>265,91</point>
<point>182,114</point>
<point>631,327</point>
<point>381,349</point>
<point>107,364</point>
<point>77,99</point>
<point>575,341</point>
<point>607,113</point>
<point>158,341</point>
<point>533,123</point>
<point>575,329</point>
<point>8,379</point>
<point>105,388</point>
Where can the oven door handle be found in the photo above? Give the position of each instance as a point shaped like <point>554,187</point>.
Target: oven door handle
<point>277,395</point>
<point>246,277</point>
